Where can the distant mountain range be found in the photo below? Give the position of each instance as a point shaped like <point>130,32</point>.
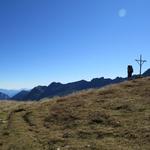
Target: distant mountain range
<point>10,93</point>
<point>3,96</point>
<point>59,89</point>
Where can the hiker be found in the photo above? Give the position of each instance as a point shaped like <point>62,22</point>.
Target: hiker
<point>130,71</point>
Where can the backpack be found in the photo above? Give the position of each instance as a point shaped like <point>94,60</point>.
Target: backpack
<point>130,68</point>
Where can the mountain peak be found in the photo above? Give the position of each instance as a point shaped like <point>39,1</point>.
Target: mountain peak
<point>53,84</point>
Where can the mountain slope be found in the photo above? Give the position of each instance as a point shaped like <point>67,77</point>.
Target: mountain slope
<point>146,73</point>
<point>35,93</point>
<point>116,117</point>
<point>21,95</point>
<point>3,96</point>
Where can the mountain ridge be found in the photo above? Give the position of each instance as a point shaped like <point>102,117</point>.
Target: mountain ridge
<point>59,89</point>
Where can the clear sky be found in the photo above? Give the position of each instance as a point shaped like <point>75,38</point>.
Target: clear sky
<point>68,40</point>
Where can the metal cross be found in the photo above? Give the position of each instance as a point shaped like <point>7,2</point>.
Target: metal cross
<point>140,62</point>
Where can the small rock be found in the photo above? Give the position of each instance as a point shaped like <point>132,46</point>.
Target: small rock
<point>4,121</point>
<point>66,147</point>
<point>88,146</point>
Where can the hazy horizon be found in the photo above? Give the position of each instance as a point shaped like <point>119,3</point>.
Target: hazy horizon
<point>64,41</point>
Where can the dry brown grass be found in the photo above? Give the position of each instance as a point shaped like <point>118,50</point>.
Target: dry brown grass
<point>116,117</point>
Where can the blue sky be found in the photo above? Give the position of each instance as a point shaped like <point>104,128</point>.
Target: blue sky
<point>67,40</point>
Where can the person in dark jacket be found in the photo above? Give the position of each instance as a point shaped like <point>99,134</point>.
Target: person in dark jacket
<point>130,71</point>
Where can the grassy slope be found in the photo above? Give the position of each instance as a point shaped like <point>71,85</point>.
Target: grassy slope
<point>116,117</point>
